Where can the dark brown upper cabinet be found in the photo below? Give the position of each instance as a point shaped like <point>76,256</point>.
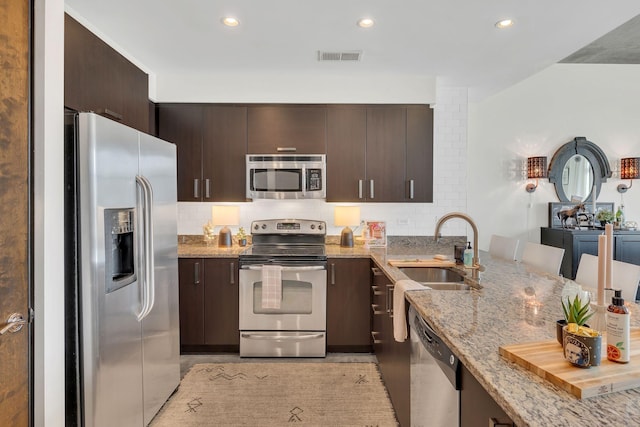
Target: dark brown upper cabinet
<point>346,151</point>
<point>379,153</point>
<point>99,79</point>
<point>299,129</point>
<point>212,144</point>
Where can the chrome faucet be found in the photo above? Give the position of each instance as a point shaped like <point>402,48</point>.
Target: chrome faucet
<point>476,267</point>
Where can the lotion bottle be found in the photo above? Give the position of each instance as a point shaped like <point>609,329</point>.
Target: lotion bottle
<point>468,256</point>
<point>618,334</point>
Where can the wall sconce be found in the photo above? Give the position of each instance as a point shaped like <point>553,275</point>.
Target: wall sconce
<point>536,168</point>
<point>346,216</point>
<point>225,216</point>
<point>629,169</point>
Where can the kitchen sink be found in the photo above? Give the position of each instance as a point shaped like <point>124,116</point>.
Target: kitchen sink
<point>432,274</point>
<point>448,286</point>
<point>437,278</point>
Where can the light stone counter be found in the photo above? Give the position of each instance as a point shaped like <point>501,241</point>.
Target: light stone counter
<point>475,323</point>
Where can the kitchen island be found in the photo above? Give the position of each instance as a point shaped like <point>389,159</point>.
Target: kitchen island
<point>475,323</point>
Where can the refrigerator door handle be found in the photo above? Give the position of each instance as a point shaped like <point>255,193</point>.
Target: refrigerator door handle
<point>148,282</point>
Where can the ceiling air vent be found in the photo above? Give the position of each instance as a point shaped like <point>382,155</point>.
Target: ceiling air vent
<point>339,56</point>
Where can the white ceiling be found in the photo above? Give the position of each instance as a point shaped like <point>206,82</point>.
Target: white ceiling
<point>453,40</point>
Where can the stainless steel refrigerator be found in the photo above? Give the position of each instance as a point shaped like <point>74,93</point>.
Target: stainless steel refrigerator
<point>122,343</point>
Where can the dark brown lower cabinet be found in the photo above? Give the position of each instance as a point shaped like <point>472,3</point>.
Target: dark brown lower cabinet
<point>348,318</point>
<point>477,407</point>
<point>209,305</point>
<point>393,357</point>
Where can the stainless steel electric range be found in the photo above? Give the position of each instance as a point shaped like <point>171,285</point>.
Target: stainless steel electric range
<point>283,290</point>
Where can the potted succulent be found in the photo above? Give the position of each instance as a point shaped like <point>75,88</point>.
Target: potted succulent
<point>242,237</point>
<point>581,344</point>
<point>605,216</point>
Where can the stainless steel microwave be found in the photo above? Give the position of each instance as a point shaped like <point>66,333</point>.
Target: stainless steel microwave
<point>286,176</point>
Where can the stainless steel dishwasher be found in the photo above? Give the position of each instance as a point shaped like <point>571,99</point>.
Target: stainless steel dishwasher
<point>435,377</point>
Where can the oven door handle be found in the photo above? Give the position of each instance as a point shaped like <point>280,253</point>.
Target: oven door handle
<point>282,337</point>
<point>304,268</point>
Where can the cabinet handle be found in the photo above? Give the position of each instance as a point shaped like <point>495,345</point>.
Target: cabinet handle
<point>371,188</point>
<point>411,189</point>
<point>207,188</point>
<point>196,188</point>
<point>390,300</point>
<point>376,290</point>
<point>495,423</point>
<point>110,113</point>
<point>286,149</point>
<point>232,275</point>
<point>375,309</point>
<point>359,189</point>
<point>196,273</point>
<point>333,274</point>
<point>373,337</point>
<point>376,271</point>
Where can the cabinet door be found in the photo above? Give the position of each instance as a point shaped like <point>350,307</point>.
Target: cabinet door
<point>583,244</point>
<point>419,154</point>
<point>477,407</point>
<point>348,305</point>
<point>224,146</point>
<point>182,125</point>
<point>221,303</point>
<point>191,279</point>
<point>287,128</point>
<point>346,142</point>
<point>627,248</point>
<point>386,154</point>
<point>97,78</point>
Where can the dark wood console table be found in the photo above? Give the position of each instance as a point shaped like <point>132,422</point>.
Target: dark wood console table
<point>626,246</point>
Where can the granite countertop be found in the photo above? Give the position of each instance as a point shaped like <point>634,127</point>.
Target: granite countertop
<point>476,323</point>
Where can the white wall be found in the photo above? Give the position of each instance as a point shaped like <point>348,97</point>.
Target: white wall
<point>405,219</point>
<point>48,256</point>
<point>536,117</point>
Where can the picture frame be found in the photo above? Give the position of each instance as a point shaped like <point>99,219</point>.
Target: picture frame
<point>377,233</point>
<point>555,207</point>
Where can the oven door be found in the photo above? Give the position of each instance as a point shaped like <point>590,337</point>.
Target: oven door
<point>303,304</point>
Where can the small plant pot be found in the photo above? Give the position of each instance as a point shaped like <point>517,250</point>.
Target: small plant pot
<point>242,242</point>
<point>581,351</point>
<point>559,325</point>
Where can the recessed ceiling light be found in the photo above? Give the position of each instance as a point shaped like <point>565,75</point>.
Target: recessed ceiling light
<point>365,23</point>
<point>230,21</point>
<point>505,23</point>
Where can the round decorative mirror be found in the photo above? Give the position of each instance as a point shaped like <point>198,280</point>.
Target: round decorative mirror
<point>577,177</point>
<point>577,169</point>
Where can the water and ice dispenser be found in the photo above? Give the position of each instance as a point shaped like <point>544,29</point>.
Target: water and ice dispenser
<point>119,225</point>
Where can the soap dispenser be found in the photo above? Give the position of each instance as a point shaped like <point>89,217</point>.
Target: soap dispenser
<point>468,256</point>
<point>618,334</point>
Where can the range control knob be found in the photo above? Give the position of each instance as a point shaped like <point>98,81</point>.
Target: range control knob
<point>255,227</point>
<point>313,226</point>
<point>320,227</point>
<point>264,226</point>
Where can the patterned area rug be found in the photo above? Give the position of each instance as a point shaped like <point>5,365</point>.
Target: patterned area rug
<point>278,394</point>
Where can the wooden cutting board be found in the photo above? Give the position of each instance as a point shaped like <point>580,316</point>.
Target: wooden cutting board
<point>421,263</point>
<point>545,359</point>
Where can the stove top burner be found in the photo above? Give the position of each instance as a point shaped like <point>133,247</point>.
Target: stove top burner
<point>287,242</point>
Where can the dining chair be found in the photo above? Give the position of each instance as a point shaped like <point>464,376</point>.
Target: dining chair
<point>624,276</point>
<point>543,257</point>
<point>503,247</point>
